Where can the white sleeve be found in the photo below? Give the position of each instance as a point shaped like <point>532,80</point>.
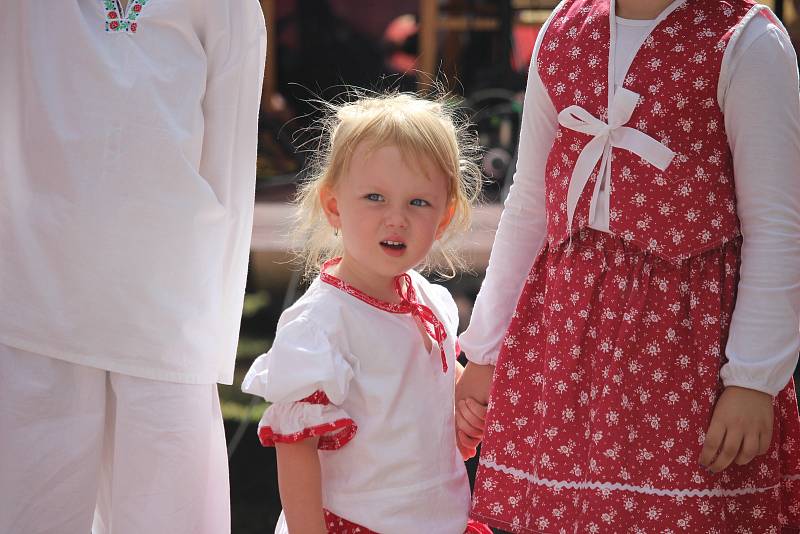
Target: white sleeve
<point>762,120</point>
<point>235,43</point>
<point>522,229</point>
<point>305,377</point>
<point>304,358</point>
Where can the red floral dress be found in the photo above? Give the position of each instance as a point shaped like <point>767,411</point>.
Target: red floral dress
<point>602,395</point>
<point>610,369</point>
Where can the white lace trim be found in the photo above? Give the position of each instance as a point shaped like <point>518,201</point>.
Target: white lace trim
<point>616,486</point>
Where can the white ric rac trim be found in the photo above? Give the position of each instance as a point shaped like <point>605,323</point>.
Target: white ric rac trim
<point>615,486</point>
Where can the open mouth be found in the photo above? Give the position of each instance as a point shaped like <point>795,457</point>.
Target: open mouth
<point>393,245</point>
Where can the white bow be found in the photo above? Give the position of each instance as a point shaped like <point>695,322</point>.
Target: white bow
<point>613,134</point>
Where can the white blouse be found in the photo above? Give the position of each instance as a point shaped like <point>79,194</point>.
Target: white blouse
<point>387,448</point>
<point>758,93</point>
<point>127,171</point>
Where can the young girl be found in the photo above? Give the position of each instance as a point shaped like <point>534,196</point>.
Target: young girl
<point>361,372</point>
<point>642,382</point>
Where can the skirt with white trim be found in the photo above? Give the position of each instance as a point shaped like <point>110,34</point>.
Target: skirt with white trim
<point>602,394</point>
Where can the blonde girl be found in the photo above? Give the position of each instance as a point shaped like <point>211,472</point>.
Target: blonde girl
<point>361,374</point>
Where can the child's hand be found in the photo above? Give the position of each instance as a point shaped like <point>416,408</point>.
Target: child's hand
<point>470,426</point>
<point>472,396</point>
<point>740,429</point>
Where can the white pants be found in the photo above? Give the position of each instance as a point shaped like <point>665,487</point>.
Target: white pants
<point>83,449</point>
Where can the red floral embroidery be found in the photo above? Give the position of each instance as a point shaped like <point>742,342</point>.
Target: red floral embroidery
<point>408,304</point>
<point>120,19</point>
<point>347,429</point>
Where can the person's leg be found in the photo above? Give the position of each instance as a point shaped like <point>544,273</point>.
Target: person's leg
<point>167,468</point>
<point>51,433</point>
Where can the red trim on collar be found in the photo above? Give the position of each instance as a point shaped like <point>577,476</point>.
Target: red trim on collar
<point>408,304</point>
<point>328,278</point>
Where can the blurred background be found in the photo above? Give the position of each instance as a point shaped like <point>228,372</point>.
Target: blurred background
<point>480,49</point>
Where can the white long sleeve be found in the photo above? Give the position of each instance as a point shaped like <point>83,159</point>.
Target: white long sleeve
<point>522,228</point>
<point>763,126</point>
<point>762,118</point>
<point>230,143</point>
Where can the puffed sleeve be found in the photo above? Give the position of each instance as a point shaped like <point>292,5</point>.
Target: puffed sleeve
<point>306,377</point>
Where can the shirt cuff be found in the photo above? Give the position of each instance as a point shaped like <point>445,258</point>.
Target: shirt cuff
<point>765,378</point>
<point>297,421</point>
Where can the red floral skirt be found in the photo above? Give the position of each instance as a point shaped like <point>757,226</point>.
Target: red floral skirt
<point>337,525</point>
<point>602,394</point>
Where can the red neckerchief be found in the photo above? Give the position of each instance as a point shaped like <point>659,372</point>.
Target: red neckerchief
<point>408,304</point>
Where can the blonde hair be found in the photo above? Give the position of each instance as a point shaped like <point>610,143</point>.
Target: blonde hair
<point>432,129</point>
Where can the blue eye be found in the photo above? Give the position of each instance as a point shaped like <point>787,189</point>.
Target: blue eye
<point>419,203</point>
<point>374,197</point>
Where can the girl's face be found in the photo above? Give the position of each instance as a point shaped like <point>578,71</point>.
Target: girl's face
<point>390,210</point>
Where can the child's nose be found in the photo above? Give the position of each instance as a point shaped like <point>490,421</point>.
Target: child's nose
<point>396,218</point>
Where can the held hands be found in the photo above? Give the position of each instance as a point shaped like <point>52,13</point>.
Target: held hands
<point>470,426</point>
<point>472,397</point>
<point>740,428</point>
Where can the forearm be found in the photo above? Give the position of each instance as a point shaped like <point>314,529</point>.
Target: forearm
<point>475,383</point>
<point>300,484</point>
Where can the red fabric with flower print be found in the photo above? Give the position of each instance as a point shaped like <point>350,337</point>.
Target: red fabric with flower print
<point>691,206</point>
<point>609,372</point>
<point>338,525</point>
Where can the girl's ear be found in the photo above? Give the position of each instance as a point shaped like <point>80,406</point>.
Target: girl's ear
<point>446,218</point>
<point>330,206</point>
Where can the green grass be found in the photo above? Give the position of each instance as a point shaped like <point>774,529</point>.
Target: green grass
<point>237,405</point>
<point>254,340</point>
<point>251,346</point>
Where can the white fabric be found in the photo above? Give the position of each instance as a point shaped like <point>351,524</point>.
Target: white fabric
<point>147,456</point>
<point>308,358</point>
<point>281,527</point>
<point>127,170</point>
<point>401,470</point>
<point>763,127</point>
<point>604,137</point>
